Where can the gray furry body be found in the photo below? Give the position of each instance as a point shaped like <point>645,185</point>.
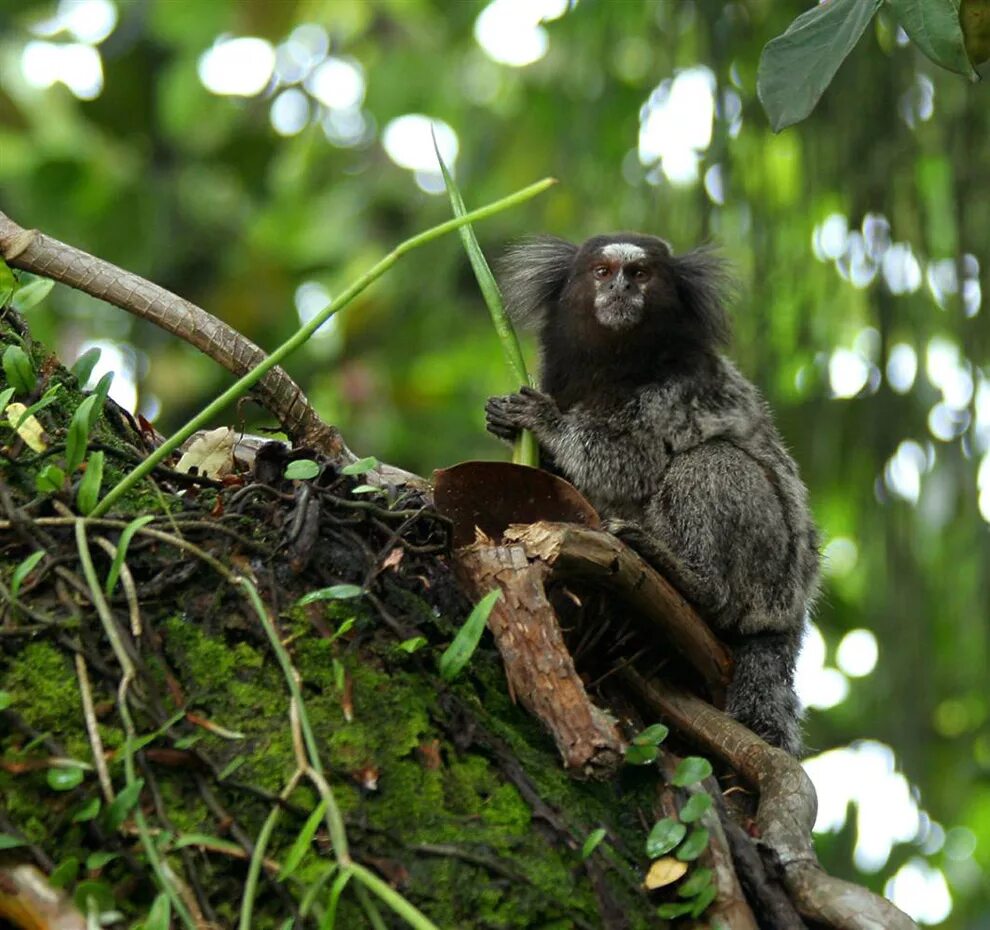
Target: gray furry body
<point>674,447</point>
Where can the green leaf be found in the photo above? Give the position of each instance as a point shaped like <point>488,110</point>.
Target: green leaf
<point>83,366</point>
<point>125,540</point>
<point>367,489</point>
<point>697,806</point>
<point>796,67</point>
<point>690,771</point>
<point>97,895</point>
<point>87,811</point>
<point>49,397</point>
<point>339,674</point>
<point>64,874</point>
<point>675,909</point>
<point>65,778</point>
<point>301,844</point>
<point>89,488</point>
<point>9,841</point>
<point>697,881</point>
<point>694,845</point>
<point>24,569</point>
<point>651,736</point>
<point>933,25</point>
<point>49,480</point>
<point>5,700</point>
<point>32,293</point>
<point>99,859</point>
<point>703,900</point>
<point>8,284</point>
<point>5,396</point>
<point>412,645</point>
<point>302,469</point>
<point>591,843</point>
<point>77,438</point>
<point>123,804</point>
<point>360,466</point>
<point>459,652</point>
<point>640,755</point>
<point>19,370</point>
<point>231,767</point>
<point>160,915</point>
<point>336,592</point>
<point>100,392</point>
<point>664,836</point>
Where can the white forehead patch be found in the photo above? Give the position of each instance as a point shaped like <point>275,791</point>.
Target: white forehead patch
<point>623,252</point>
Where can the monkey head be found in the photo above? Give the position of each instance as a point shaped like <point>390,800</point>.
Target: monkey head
<point>617,292</point>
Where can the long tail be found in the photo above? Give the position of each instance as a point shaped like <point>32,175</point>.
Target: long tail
<point>762,691</point>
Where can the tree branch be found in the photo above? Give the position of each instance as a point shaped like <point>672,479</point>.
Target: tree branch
<point>33,251</point>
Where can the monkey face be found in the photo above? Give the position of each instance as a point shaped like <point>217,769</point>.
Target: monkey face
<point>621,277</point>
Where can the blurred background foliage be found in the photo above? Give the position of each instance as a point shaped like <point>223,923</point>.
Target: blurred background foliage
<point>257,155</point>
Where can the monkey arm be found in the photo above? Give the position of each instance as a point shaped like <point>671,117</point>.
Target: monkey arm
<point>607,459</point>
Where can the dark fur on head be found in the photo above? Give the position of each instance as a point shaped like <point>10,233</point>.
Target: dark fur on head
<point>548,283</point>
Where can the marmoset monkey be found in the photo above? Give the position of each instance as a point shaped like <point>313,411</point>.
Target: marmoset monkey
<point>673,446</point>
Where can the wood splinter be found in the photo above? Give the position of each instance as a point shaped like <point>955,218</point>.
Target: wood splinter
<point>538,665</point>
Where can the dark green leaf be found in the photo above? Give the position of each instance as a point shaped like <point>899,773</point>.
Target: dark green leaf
<point>697,806</point>
<point>31,294</point>
<point>5,396</point>
<point>675,909</point>
<point>664,836</point>
<point>122,545</point>
<point>5,700</point>
<point>690,771</point>
<point>19,370</point>
<point>83,366</point>
<point>64,874</point>
<point>933,25</point>
<point>207,840</point>
<point>640,755</point>
<point>8,841</point>
<point>694,845</point>
<point>77,438</point>
<point>24,569</point>
<point>100,392</point>
<point>697,881</point>
<point>49,480</point>
<point>459,652</point>
<point>302,470</point>
<point>160,915</point>
<point>87,811</point>
<point>591,843</point>
<point>336,592</point>
<point>301,844</point>
<point>89,488</point>
<point>796,67</point>
<point>98,859</point>
<point>93,895</point>
<point>360,466</point>
<point>121,806</point>
<point>705,898</point>
<point>651,736</point>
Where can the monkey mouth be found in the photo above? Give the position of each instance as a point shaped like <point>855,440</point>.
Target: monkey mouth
<point>618,313</point>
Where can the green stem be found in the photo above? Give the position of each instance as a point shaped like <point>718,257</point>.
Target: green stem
<point>245,383</point>
<point>387,894</point>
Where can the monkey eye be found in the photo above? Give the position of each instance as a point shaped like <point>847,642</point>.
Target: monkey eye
<point>640,274</point>
<point>601,272</point>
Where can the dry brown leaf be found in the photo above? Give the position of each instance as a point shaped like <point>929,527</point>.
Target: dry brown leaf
<point>663,872</point>
<point>212,454</point>
<point>31,431</point>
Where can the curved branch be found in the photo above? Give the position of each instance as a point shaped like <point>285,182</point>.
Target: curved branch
<point>33,251</point>
<point>786,811</point>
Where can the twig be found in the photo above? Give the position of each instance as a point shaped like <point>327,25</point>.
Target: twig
<point>92,728</point>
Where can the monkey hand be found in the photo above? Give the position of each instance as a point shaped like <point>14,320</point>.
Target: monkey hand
<point>507,415</point>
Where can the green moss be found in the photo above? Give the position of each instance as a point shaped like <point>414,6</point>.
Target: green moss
<point>44,688</point>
